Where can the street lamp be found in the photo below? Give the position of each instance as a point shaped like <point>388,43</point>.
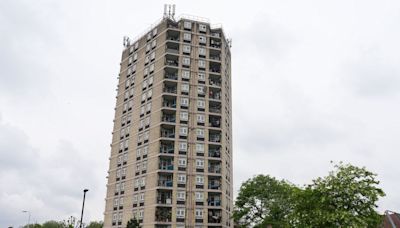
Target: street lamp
<point>29,216</point>
<point>83,205</point>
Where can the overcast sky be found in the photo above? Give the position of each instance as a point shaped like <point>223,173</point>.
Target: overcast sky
<point>313,81</point>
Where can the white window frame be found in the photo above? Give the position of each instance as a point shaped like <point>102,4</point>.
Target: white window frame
<point>187,25</point>
<point>185,74</point>
<point>181,178</point>
<point>199,163</point>
<point>183,146</point>
<point>184,116</point>
<point>187,36</point>
<point>183,131</point>
<point>185,87</point>
<point>186,61</point>
<point>180,212</point>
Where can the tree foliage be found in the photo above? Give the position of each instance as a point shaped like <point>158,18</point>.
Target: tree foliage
<point>133,223</point>
<point>95,224</point>
<point>345,198</point>
<point>263,200</point>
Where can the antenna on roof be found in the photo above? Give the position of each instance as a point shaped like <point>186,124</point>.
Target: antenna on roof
<point>169,11</point>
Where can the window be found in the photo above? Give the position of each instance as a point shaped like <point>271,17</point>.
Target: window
<point>152,55</point>
<point>146,60</point>
<point>146,71</point>
<point>126,144</point>
<point>202,64</point>
<point>155,32</point>
<point>143,97</point>
<point>199,196</point>
<point>153,43</point>
<point>131,91</point>
<point>122,186</point>
<point>184,116</point>
<point>185,87</point>
<point>117,187</point>
<point>138,152</point>
<point>142,182</point>
<point>130,104</point>
<point>135,198</point>
<point>202,51</point>
<point>202,28</point>
<point>149,93</point>
<point>138,167</point>
<point>180,212</point>
<point>201,104</point>
<point>141,124</point>
<point>199,179</point>
<point>125,158</point>
<point>151,68</point>
<point>125,107</point>
<point>121,201</point>
<point>187,25</point>
<point>200,147</point>
<point>186,74</point>
<point>182,178</point>
<point>123,120</point>
<point>141,214</point>
<point>137,183</point>
<point>127,83</point>
<point>181,195</point>
<point>202,40</point>
<point>147,121</point>
<point>144,165</point>
<point>120,217</point>
<point>148,107</point>
<point>146,136</point>
<point>140,138</point>
<point>187,37</point>
<point>136,45</point>
<point>148,48</point>
<point>126,96</point>
<point>144,84</point>
<point>182,146</point>
<point>199,213</point>
<point>199,163</point>
<point>201,90</point>
<point>151,79</point>
<point>130,60</point>
<point>145,150</point>
<point>141,197</point>
<point>142,109</point>
<point>200,118</point>
<point>119,173</point>
<point>114,218</point>
<point>186,61</point>
<point>182,162</point>
<point>134,68</point>
<point>184,101</point>
<point>186,49</point>
<point>183,131</point>
<point>200,133</point>
<point>135,57</point>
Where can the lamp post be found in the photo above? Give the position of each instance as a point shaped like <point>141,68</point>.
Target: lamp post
<point>29,217</point>
<point>83,205</point>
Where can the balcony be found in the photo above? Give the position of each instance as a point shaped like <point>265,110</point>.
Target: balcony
<point>171,60</point>
<point>214,183</point>
<point>165,180</point>
<point>169,118</point>
<point>167,132</point>
<point>215,80</point>
<point>215,42</point>
<point>163,214</point>
<point>214,121</point>
<point>215,55</point>
<point>166,147</point>
<point>214,199</point>
<point>214,167</point>
<point>214,107</point>
<point>214,152</point>
<point>166,164</point>
<point>214,215</point>
<point>171,73</point>
<point>172,48</point>
<point>169,102</point>
<point>164,197</point>
<point>214,137</point>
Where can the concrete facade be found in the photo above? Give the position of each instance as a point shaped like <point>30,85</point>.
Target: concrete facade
<point>171,151</point>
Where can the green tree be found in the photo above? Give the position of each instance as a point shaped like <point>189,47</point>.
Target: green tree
<point>347,197</point>
<point>52,224</point>
<point>95,224</point>
<point>133,223</point>
<point>262,201</point>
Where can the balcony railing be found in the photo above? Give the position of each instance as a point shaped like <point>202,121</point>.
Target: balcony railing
<point>215,138</point>
<point>167,133</point>
<point>214,169</point>
<point>214,153</point>
<point>215,57</point>
<point>215,69</point>
<point>169,90</point>
<point>168,118</point>
<point>166,165</point>
<point>214,185</point>
<point>215,123</point>
<point>163,214</point>
<point>164,149</point>
<point>172,50</point>
<point>165,183</point>
<point>215,95</point>
<point>215,109</point>
<point>171,76</point>
<point>214,203</point>
<point>215,83</point>
<point>169,104</point>
<point>171,62</point>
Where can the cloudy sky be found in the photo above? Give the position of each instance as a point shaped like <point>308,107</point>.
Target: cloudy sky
<point>313,81</point>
